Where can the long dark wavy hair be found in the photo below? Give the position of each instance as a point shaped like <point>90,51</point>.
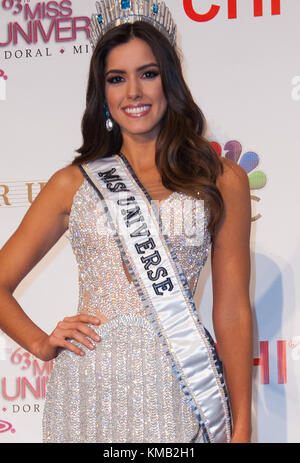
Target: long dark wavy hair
<point>184,157</point>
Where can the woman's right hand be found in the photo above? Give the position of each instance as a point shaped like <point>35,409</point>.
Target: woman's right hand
<point>69,328</point>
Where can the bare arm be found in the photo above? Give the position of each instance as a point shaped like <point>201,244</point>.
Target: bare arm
<point>42,226</point>
<point>232,316</point>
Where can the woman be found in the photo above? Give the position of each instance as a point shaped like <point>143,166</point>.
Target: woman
<point>112,381</point>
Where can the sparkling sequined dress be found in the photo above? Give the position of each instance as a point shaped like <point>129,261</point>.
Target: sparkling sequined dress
<point>125,389</point>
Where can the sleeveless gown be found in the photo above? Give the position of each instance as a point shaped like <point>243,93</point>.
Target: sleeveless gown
<point>125,390</point>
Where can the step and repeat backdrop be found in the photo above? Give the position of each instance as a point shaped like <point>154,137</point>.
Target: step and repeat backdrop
<point>241,61</point>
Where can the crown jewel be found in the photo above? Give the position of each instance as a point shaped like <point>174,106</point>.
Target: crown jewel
<point>112,13</point>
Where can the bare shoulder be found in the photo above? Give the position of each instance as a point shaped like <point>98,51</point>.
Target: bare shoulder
<point>67,176</point>
<point>234,187</point>
<point>64,183</point>
<point>234,181</point>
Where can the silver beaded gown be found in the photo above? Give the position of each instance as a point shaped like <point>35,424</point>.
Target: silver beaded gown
<point>125,390</point>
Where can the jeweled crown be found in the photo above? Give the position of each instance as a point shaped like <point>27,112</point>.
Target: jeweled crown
<point>112,13</point>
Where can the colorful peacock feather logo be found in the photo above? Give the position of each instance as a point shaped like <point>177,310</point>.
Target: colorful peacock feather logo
<point>248,161</point>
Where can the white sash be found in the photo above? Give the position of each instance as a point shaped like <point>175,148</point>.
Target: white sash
<point>165,295</point>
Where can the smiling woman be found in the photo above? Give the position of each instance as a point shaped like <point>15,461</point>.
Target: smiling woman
<point>151,127</point>
<point>135,364</point>
<point>134,91</point>
<point>133,66</point>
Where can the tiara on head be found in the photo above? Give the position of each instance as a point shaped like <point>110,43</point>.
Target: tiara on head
<point>112,13</point>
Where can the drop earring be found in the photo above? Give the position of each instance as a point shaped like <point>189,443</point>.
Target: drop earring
<point>109,122</point>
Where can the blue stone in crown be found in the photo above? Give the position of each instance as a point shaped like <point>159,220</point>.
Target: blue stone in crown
<point>125,4</point>
<point>99,17</point>
<point>155,8</point>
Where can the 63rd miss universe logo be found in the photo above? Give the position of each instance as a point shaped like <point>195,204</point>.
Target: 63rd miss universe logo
<point>43,22</point>
<point>23,393</point>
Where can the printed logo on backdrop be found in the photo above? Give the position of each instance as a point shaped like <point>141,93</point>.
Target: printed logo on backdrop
<point>232,9</point>
<point>3,79</point>
<point>249,162</point>
<point>24,392</point>
<point>19,194</point>
<point>5,426</point>
<point>284,350</point>
<point>31,24</point>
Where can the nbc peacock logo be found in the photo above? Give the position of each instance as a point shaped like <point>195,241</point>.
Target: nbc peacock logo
<point>248,161</point>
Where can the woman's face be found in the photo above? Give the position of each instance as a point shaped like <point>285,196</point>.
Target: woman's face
<point>133,89</point>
